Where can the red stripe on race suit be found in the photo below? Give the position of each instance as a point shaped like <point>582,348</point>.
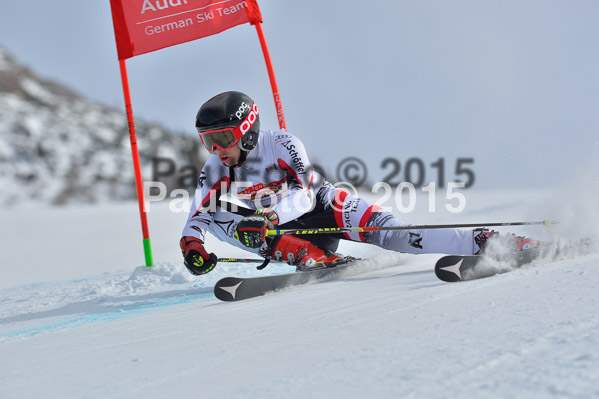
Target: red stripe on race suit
<point>213,191</point>
<point>340,196</point>
<point>274,186</point>
<point>366,217</point>
<point>283,165</point>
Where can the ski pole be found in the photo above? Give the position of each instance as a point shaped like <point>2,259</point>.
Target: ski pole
<point>263,262</point>
<point>337,230</point>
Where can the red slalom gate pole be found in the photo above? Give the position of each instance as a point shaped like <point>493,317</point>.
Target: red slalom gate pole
<point>271,75</point>
<point>136,165</point>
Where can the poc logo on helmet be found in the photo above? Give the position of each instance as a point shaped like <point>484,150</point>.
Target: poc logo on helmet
<point>251,118</point>
<point>243,108</point>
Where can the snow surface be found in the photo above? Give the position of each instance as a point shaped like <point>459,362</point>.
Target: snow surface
<point>80,316</point>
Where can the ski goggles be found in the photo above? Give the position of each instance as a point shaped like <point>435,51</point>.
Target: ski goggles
<point>220,138</point>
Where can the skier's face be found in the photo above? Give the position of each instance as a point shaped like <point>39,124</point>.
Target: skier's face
<point>229,157</point>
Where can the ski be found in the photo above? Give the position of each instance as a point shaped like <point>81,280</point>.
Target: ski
<point>452,268</point>
<point>231,289</point>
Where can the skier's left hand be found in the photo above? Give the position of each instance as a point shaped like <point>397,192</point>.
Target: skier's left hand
<point>197,260</point>
<point>251,230</point>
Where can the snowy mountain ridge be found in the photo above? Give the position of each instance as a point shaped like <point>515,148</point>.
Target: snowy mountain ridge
<point>57,147</point>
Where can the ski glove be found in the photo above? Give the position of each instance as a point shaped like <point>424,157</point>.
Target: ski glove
<point>196,259</point>
<point>251,230</point>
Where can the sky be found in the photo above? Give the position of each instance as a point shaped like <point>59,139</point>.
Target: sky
<point>505,92</point>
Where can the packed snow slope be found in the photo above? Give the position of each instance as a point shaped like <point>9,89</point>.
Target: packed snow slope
<point>80,318</point>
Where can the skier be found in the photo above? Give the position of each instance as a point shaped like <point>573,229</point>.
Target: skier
<point>270,173</point>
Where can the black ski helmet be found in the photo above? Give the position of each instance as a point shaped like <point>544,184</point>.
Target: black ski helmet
<point>229,118</point>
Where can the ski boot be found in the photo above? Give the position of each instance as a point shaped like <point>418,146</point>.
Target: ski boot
<point>491,242</point>
<point>304,255</point>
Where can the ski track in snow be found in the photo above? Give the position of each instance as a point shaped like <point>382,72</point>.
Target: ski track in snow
<point>394,325</point>
<point>50,307</point>
<point>389,330</point>
<point>397,332</point>
<point>41,308</point>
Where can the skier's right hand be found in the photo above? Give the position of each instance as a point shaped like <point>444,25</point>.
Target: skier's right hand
<point>197,260</point>
<point>251,230</point>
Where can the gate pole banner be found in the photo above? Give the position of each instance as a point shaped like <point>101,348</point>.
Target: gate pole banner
<point>142,26</point>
